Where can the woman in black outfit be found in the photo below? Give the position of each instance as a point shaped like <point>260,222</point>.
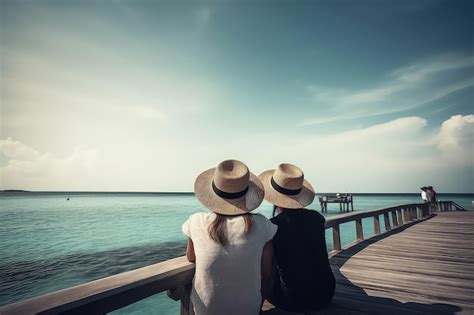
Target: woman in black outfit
<point>303,278</point>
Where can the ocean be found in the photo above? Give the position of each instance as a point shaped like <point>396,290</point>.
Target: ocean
<point>49,243</point>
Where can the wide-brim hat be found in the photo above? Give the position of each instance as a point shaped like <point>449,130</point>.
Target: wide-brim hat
<point>286,187</point>
<point>229,189</point>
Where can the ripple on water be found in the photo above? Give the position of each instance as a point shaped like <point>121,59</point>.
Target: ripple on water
<point>25,278</point>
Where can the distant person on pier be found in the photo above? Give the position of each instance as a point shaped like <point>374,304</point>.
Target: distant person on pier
<point>232,248</point>
<point>424,199</point>
<point>429,194</point>
<point>303,279</point>
<point>434,194</point>
<point>432,197</point>
<point>424,195</point>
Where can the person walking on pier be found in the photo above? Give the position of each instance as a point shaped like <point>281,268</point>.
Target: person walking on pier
<point>424,194</point>
<point>303,279</point>
<point>432,197</point>
<point>232,248</point>
<point>424,199</point>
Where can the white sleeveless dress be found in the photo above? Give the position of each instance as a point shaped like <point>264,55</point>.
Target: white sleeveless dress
<point>227,279</point>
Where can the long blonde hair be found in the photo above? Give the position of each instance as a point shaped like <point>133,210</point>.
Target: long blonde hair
<point>217,229</point>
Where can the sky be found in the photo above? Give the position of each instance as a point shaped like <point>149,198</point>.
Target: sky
<point>363,96</point>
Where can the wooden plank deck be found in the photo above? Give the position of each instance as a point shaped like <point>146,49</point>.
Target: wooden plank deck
<point>423,268</point>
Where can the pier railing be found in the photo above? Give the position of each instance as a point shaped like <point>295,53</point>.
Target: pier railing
<point>175,275</point>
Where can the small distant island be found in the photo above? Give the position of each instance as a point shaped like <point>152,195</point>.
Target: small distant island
<point>15,191</point>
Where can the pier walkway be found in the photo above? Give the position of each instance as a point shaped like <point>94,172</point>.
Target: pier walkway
<point>423,263</point>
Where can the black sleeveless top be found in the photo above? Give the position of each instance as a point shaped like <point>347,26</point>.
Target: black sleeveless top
<point>305,276</point>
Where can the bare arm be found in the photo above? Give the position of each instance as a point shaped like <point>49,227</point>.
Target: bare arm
<point>190,251</point>
<point>180,292</point>
<point>266,269</point>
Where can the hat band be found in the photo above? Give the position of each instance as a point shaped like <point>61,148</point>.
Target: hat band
<point>227,195</point>
<point>283,190</point>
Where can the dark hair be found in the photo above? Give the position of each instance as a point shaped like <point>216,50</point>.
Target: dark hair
<point>277,210</point>
<point>217,229</point>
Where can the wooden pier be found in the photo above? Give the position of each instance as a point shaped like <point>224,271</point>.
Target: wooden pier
<point>422,264</point>
<point>345,201</point>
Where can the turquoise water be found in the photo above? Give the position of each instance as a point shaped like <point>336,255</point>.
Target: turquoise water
<point>48,243</point>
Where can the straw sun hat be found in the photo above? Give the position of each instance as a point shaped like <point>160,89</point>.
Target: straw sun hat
<point>286,187</point>
<point>229,188</point>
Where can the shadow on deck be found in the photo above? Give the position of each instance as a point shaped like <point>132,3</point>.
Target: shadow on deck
<point>424,267</point>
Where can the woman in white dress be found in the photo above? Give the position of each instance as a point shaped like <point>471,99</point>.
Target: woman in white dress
<point>232,248</point>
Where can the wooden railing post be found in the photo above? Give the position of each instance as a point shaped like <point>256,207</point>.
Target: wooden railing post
<point>400,216</point>
<point>336,238</point>
<point>359,231</point>
<point>386,221</point>
<point>186,304</point>
<point>394,217</point>
<point>419,213</point>
<point>376,224</point>
<point>183,295</point>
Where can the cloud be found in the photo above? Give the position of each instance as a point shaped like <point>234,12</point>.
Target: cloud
<point>405,89</point>
<point>418,72</point>
<point>456,132</point>
<point>27,168</point>
<point>147,112</point>
<point>400,128</point>
<point>456,139</point>
<point>391,156</point>
<point>383,146</point>
<point>15,150</point>
<point>388,157</point>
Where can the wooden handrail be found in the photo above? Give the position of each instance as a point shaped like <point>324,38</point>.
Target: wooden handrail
<point>347,217</point>
<point>114,292</point>
<point>108,294</point>
<point>401,214</point>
